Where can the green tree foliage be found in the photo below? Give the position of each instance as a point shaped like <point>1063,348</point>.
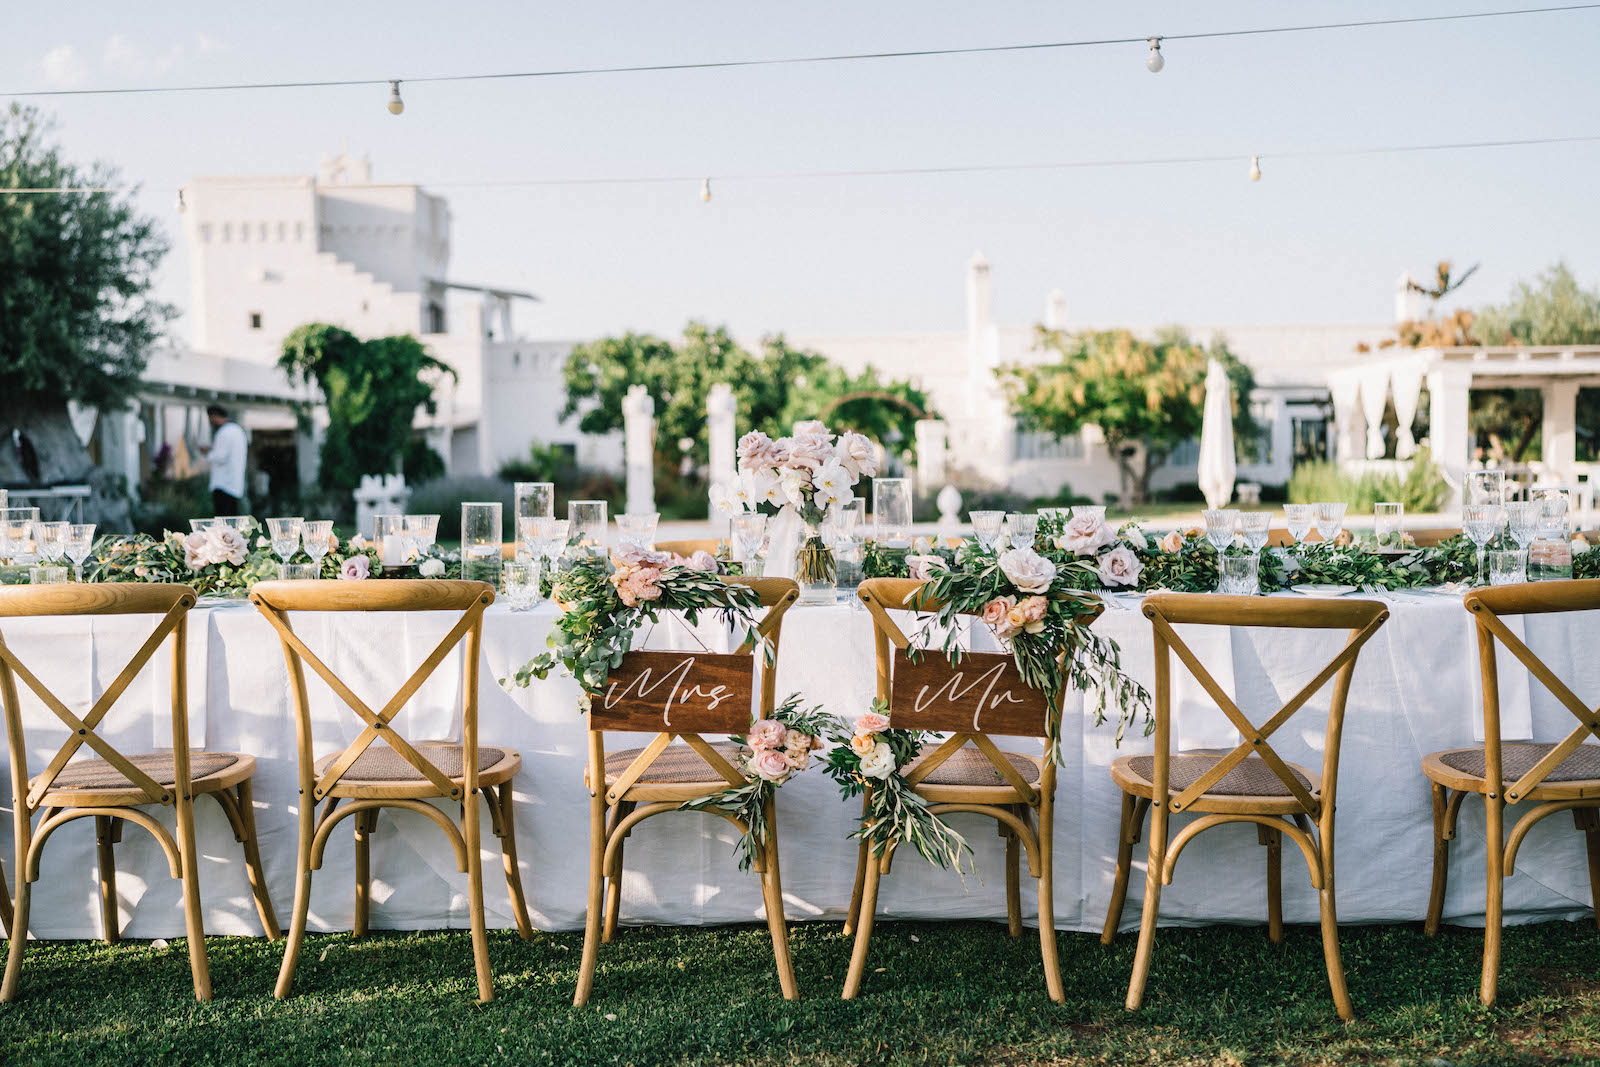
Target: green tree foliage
<point>76,316</point>
<point>1147,397</point>
<point>373,390</point>
<point>775,388</point>
<point>1553,310</point>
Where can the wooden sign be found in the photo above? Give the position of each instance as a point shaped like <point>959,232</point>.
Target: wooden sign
<point>692,692</point>
<point>982,693</point>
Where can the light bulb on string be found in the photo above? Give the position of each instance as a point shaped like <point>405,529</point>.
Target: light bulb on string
<point>705,191</point>
<point>1255,168</point>
<point>396,105</point>
<point>1154,61</point>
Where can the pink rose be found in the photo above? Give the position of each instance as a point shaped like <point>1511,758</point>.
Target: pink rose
<point>196,550</point>
<point>870,722</point>
<point>770,764</point>
<point>702,561</point>
<point>857,455</point>
<point>808,453</point>
<point>861,744</point>
<point>797,759</point>
<point>1033,608</point>
<point>796,739</point>
<point>1173,542</point>
<point>995,610</point>
<point>1085,535</point>
<point>1120,567</point>
<point>766,733</point>
<point>355,569</point>
<point>922,567</point>
<point>755,451</point>
<point>811,428</point>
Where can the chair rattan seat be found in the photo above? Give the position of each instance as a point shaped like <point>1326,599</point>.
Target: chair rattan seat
<point>380,763</point>
<point>96,773</point>
<point>967,766</point>
<point>1253,777</point>
<point>1517,760</point>
<point>677,765</point>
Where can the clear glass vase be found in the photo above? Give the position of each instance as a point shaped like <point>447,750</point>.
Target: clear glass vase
<point>815,569</point>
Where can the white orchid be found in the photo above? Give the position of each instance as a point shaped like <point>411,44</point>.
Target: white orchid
<point>832,484</point>
<point>725,501</point>
<point>793,483</point>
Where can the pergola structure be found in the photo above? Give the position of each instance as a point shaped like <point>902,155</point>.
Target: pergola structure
<point>1361,391</point>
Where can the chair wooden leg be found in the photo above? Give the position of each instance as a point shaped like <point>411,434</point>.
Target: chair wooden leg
<point>471,831</point>
<point>191,899</point>
<point>1330,928</point>
<point>5,903</point>
<point>508,856</point>
<point>1273,841</point>
<point>1047,913</point>
<point>1013,883</point>
<point>302,898</point>
<point>253,866</point>
<point>1133,809</point>
<point>1494,817</point>
<point>772,894</point>
<point>1152,906</point>
<point>17,927</point>
<point>861,872</point>
<point>597,874</point>
<point>366,824</point>
<point>105,834</point>
<point>608,930</point>
<point>869,903</point>
<point>1441,860</point>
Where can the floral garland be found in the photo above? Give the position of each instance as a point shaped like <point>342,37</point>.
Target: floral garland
<point>874,755</point>
<point>774,751</point>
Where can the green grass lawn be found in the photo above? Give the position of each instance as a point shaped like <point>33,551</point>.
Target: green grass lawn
<point>940,993</point>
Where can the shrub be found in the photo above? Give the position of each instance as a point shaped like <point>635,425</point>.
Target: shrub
<point>1421,488</point>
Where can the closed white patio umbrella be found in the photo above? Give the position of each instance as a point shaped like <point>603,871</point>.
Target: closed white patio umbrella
<point>1216,439</point>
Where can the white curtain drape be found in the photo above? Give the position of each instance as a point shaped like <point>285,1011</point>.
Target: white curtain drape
<point>1374,397</point>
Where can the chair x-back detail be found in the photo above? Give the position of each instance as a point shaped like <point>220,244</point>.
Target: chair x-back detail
<point>381,769</point>
<point>1250,784</point>
<point>975,698</point>
<point>1552,777</point>
<point>682,695</point>
<point>112,786</point>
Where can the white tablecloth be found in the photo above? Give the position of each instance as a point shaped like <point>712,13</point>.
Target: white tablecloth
<point>1415,691</point>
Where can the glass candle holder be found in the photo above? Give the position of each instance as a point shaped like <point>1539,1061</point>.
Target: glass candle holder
<point>480,542</point>
<point>891,510</point>
<point>18,534</point>
<point>1486,487</point>
<point>1387,520</point>
<point>532,500</point>
<point>297,572</point>
<point>588,519</point>
<point>389,537</point>
<point>1240,575</point>
<point>1508,566</point>
<point>422,531</point>
<point>47,575</point>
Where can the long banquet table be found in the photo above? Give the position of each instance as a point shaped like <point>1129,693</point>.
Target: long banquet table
<point>1415,690</point>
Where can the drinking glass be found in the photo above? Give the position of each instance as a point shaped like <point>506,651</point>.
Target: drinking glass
<point>480,542</point>
<point>749,530</point>
<point>986,526</point>
<point>316,537</point>
<point>891,510</point>
<point>1486,487</point>
<point>298,572</point>
<point>1097,510</point>
<point>519,582</point>
<point>53,540</point>
<point>80,540</point>
<point>1508,566</point>
<point>1256,527</point>
<point>1522,520</point>
<point>1553,509</point>
<point>47,575</point>
<point>1330,519</point>
<point>1387,519</point>
<point>1299,518</point>
<point>588,518</point>
<point>285,536</point>
<point>1021,529</point>
<point>548,539</point>
<point>842,527</point>
<point>421,531</point>
<point>1480,522</point>
<point>196,525</point>
<point>243,523</point>
<point>1220,524</point>
<point>533,500</point>
<point>1240,575</point>
<point>18,530</point>
<point>638,529</point>
<point>389,534</point>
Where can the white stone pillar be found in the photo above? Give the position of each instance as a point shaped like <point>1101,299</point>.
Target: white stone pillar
<point>639,442</point>
<point>1559,433</point>
<point>932,439</point>
<point>1449,434</point>
<point>721,406</point>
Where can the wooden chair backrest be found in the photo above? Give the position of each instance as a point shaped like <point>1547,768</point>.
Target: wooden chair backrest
<point>172,603</point>
<point>275,600</point>
<point>1487,607</point>
<point>1361,618</point>
<point>980,695</point>
<point>1432,538</point>
<point>690,547</point>
<point>704,692</point>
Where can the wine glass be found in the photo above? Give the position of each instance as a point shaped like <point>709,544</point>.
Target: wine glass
<point>638,529</point>
<point>316,537</point>
<point>532,500</point>
<point>1256,526</point>
<point>1330,519</point>
<point>421,531</point>
<point>986,526</point>
<point>1299,518</point>
<point>1522,519</point>
<point>1486,487</point>
<point>80,540</point>
<point>285,536</point>
<point>1480,522</point>
<point>1220,524</point>
<point>550,538</point>
<point>18,531</point>
<point>1021,528</point>
<point>53,540</point>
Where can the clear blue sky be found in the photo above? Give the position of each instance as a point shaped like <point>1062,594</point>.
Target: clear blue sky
<point>1315,240</point>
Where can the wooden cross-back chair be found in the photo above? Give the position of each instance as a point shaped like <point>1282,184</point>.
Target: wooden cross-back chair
<point>381,769</point>
<point>705,693</point>
<point>1551,777</point>
<point>967,772</point>
<point>112,786</point>
<point>690,547</point>
<point>1250,784</point>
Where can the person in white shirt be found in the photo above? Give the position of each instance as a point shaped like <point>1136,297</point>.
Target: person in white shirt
<point>227,455</point>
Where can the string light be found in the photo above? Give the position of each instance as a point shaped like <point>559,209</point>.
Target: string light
<point>705,191</point>
<point>1255,168</point>
<point>1153,62</point>
<point>396,105</point>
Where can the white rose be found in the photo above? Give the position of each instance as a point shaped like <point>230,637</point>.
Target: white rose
<point>1135,539</point>
<point>1027,570</point>
<point>1085,535</point>
<point>1120,567</point>
<point>1579,546</point>
<point>431,568</point>
<point>856,452</point>
<point>879,763</point>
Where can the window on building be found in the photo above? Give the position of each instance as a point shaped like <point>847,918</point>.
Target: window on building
<point>1310,438</point>
<point>435,317</point>
<point>1262,411</point>
<point>255,320</point>
<point>1031,444</point>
